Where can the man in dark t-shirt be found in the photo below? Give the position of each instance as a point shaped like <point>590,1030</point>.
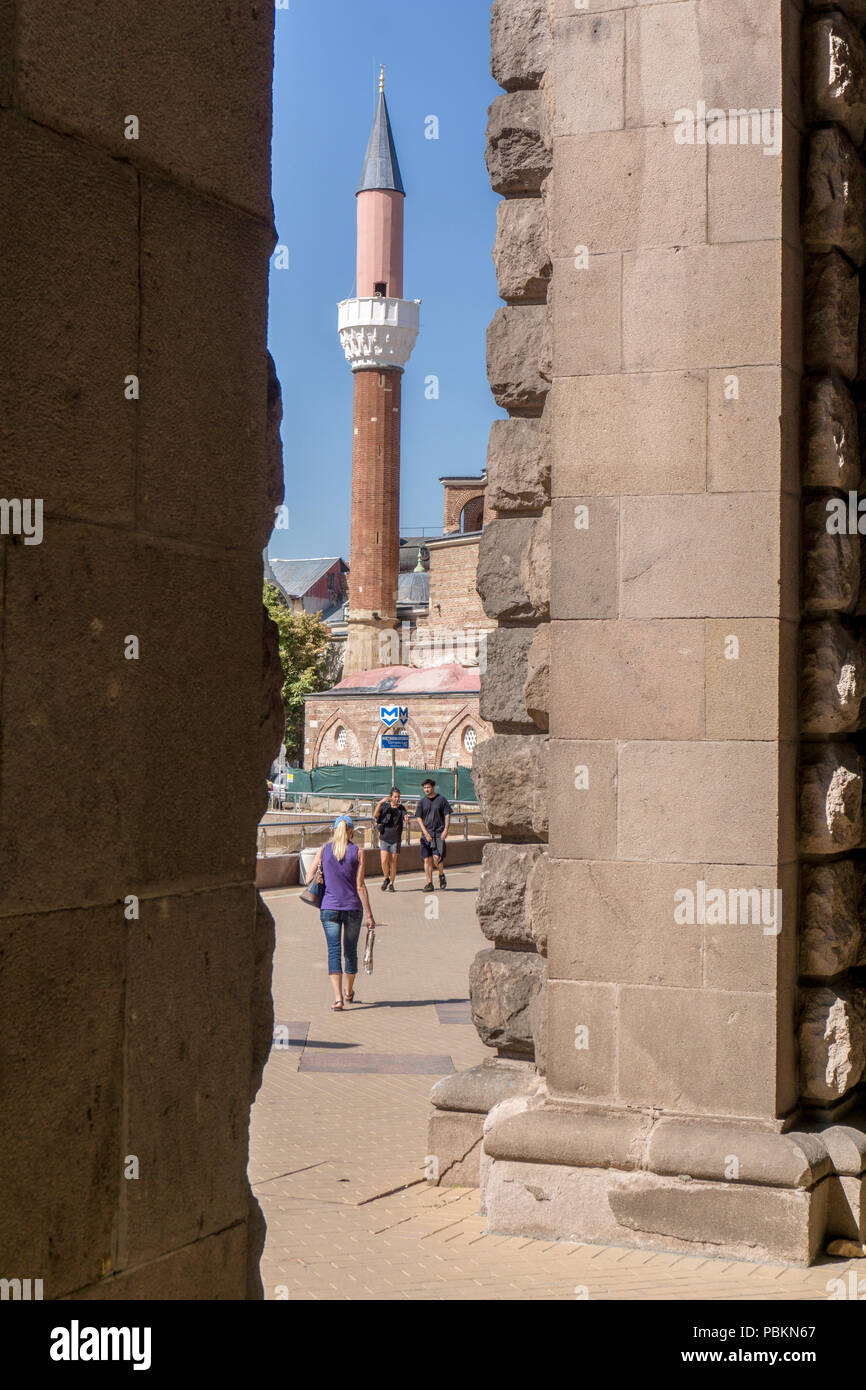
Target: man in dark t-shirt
<point>433,814</point>
<point>389,816</point>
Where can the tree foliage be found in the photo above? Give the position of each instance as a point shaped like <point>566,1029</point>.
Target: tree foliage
<point>308,660</point>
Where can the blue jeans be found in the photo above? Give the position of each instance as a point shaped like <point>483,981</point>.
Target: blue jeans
<point>347,925</point>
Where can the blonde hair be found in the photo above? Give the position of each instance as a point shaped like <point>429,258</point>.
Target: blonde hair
<point>340,840</point>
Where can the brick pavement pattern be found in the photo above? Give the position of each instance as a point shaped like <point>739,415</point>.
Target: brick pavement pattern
<point>337,1158</point>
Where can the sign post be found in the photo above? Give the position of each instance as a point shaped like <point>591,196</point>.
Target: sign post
<point>394,716</point>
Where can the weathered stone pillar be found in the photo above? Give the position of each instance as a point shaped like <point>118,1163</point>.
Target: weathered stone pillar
<point>702,1058</point>
<point>507,980</point>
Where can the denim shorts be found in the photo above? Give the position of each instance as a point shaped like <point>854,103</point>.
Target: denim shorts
<point>345,925</point>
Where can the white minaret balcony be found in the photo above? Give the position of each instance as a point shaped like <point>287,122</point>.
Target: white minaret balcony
<point>378,332</point>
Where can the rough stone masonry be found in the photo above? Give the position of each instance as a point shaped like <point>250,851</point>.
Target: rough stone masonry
<point>690,399</point>
<point>138,402</point>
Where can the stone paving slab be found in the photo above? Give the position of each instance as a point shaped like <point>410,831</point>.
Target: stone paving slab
<point>385,1063</point>
<point>337,1157</point>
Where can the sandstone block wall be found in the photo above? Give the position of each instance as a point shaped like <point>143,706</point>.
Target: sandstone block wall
<point>137,402</point>
<point>507,982</point>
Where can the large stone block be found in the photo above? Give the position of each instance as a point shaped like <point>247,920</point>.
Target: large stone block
<point>588,70</point>
<point>753,434</point>
<point>478,1089</point>
<point>520,252</point>
<point>518,466</point>
<point>750,943</point>
<point>834,211</point>
<point>750,195</point>
<point>830,929</point>
<point>832,678</point>
<point>614,922</point>
<point>834,73</point>
<point>454,1146</point>
<point>605,1207</point>
<point>665,542</point>
<point>601,424</point>
<point>503,905</point>
<point>502,684</point>
<point>510,773</point>
<point>134,714</point>
<point>581,1043</point>
<point>214,1269</point>
<point>583,799</point>
<point>751,678</point>
<point>535,566</point>
<point>713,803</point>
<point>69,245</point>
<point>831,318</point>
<point>208,941</point>
<point>203,470</point>
<point>509,590</point>
<point>729,1066</point>
<point>655,195</point>
<point>831,563</point>
<point>62,1060</point>
<point>502,985</point>
<point>201,90</point>
<point>518,159</point>
<point>830,434</point>
<point>521,42</point>
<point>536,689</point>
<point>626,679</point>
<point>683,309</point>
<point>832,1039</point>
<point>585,541</point>
<point>831,792</point>
<point>518,358</point>
<point>712,52</point>
<point>585,308</point>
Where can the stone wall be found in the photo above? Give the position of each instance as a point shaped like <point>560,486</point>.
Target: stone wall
<point>514,553</point>
<point>508,979</point>
<point>138,404</point>
<point>832,1004</point>
<point>701,1056</point>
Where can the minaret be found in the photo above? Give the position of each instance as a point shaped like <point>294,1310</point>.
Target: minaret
<point>378,331</point>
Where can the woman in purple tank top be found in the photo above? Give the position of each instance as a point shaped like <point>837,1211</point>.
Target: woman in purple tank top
<point>344,903</point>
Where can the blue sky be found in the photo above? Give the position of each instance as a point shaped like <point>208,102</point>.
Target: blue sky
<point>326,67</point>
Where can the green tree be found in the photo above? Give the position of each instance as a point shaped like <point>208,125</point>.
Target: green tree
<point>308,660</point>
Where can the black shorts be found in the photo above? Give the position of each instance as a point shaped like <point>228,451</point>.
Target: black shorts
<point>439,847</point>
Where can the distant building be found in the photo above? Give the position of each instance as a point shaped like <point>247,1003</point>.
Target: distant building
<point>310,586</point>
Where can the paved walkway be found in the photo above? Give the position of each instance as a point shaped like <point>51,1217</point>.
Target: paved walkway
<point>337,1156</point>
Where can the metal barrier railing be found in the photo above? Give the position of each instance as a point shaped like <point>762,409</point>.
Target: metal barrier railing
<point>290,837</point>
<point>301,801</point>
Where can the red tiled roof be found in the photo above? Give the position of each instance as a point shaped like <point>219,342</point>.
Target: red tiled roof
<point>390,680</point>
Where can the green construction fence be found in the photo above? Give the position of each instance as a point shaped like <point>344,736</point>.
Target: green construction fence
<point>339,780</point>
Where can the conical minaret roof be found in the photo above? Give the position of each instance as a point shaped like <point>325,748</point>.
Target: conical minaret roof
<point>381,169</point>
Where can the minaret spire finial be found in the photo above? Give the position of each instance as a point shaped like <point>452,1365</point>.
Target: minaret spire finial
<point>381,77</point>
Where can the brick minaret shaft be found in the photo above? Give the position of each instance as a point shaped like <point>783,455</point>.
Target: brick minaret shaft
<point>378,330</point>
<point>375,545</point>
